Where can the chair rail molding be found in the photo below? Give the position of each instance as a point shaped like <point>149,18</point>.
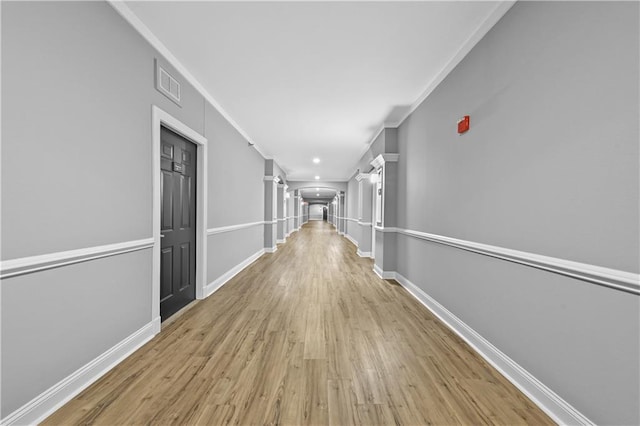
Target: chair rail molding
<point>221,229</point>
<point>628,282</point>
<point>27,265</point>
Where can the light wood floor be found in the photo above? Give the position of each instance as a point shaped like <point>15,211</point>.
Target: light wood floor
<point>308,335</point>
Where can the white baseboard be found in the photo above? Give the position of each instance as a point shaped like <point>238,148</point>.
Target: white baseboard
<point>350,238</point>
<point>45,404</point>
<point>224,278</point>
<point>363,253</point>
<point>385,275</point>
<point>281,241</point>
<point>271,249</point>
<point>552,404</point>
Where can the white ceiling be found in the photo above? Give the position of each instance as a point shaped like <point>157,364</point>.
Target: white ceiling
<point>310,194</point>
<point>316,79</point>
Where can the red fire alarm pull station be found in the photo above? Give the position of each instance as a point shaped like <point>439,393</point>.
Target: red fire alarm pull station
<point>463,124</point>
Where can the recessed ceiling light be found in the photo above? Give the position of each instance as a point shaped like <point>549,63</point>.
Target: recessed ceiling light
<point>317,195</point>
<point>316,160</point>
<point>317,177</point>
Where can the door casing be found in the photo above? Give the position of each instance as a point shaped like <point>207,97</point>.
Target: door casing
<point>161,118</point>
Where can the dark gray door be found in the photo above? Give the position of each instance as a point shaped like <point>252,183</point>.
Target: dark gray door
<point>177,223</point>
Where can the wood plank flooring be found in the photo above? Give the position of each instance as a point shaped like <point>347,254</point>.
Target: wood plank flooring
<point>307,335</point>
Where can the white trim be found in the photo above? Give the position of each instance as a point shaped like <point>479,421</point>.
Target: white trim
<point>280,241</point>
<point>161,118</point>
<point>350,238</point>
<point>271,249</point>
<point>221,229</point>
<point>362,176</point>
<point>365,223</point>
<point>215,285</point>
<point>43,405</point>
<point>27,265</point>
<point>385,275</point>
<point>477,35</point>
<point>148,35</point>
<point>552,404</point>
<point>351,219</point>
<point>363,253</point>
<point>281,219</point>
<point>386,228</point>
<point>384,158</point>
<point>620,280</point>
<point>271,178</point>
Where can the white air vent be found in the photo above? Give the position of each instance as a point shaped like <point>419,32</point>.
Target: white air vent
<point>167,85</point>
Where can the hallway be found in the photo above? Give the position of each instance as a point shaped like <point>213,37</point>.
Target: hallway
<point>307,335</point>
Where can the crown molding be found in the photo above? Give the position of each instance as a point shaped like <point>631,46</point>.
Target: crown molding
<point>481,30</point>
<point>477,35</point>
<point>27,265</point>
<point>133,20</point>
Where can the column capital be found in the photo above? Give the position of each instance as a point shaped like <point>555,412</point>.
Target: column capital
<point>384,158</point>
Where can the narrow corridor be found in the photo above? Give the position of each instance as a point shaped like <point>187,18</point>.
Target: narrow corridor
<point>307,335</point>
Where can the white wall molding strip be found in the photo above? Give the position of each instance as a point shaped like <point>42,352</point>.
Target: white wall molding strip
<point>271,249</point>
<point>557,408</point>
<point>385,275</point>
<point>363,253</point>
<point>280,240</point>
<point>42,406</point>
<point>353,240</point>
<point>27,265</point>
<point>619,280</point>
<point>221,229</point>
<point>365,223</point>
<point>351,219</point>
<point>216,284</point>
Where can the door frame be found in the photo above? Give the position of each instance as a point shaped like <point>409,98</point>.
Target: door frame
<point>161,118</point>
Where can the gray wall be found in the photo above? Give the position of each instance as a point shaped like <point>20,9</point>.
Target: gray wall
<point>549,166</point>
<point>77,91</point>
<point>236,195</point>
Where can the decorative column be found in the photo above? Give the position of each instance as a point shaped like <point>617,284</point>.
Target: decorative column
<point>280,231</point>
<point>288,213</point>
<point>385,172</point>
<point>304,211</point>
<point>297,217</point>
<point>270,218</point>
<point>365,207</point>
<point>341,214</point>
